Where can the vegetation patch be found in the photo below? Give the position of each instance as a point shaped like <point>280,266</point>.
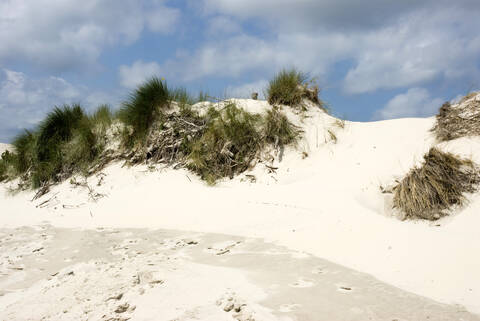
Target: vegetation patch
<point>461,120</point>
<point>428,191</point>
<point>145,105</point>
<point>278,130</point>
<point>65,142</point>
<point>290,87</point>
<point>156,125</point>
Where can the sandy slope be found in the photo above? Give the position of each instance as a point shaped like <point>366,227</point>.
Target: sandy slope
<point>328,205</point>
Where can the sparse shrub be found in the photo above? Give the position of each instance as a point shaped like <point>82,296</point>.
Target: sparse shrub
<point>428,191</point>
<point>229,144</point>
<point>278,130</point>
<point>290,87</point>
<point>144,105</point>
<point>458,121</point>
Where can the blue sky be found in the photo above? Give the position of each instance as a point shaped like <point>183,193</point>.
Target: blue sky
<point>373,59</point>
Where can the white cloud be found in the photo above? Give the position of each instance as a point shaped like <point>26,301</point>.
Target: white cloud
<point>308,14</point>
<point>418,49</point>
<point>246,90</point>
<point>137,73</point>
<point>162,19</point>
<point>410,44</point>
<point>416,102</point>
<point>24,101</point>
<point>67,34</point>
<point>240,54</point>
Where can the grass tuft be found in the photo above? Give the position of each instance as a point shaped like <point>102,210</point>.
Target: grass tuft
<point>290,87</point>
<point>65,143</point>
<point>428,191</point>
<point>229,144</point>
<point>144,105</point>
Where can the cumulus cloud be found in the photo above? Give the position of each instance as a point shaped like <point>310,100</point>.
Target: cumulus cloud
<point>416,102</point>
<point>137,73</point>
<point>24,101</point>
<point>418,49</point>
<point>241,54</point>
<point>62,35</point>
<point>387,43</point>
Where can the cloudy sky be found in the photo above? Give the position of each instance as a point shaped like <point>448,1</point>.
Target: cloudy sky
<point>374,59</point>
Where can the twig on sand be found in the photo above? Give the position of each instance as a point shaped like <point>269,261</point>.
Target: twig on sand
<point>41,191</point>
<point>42,204</point>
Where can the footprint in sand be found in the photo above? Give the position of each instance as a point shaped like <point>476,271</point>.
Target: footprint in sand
<point>302,283</point>
<point>289,307</point>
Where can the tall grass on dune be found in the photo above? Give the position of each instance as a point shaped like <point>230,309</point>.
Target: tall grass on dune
<point>102,117</point>
<point>141,109</point>
<point>428,191</point>
<point>156,124</point>
<point>65,143</point>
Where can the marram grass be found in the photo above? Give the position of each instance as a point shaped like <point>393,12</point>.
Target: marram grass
<point>430,190</point>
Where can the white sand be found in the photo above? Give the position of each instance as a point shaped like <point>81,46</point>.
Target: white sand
<point>4,147</point>
<point>328,204</point>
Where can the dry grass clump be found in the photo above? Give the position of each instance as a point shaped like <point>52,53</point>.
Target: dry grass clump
<point>290,87</point>
<point>428,191</point>
<point>230,143</point>
<point>458,120</point>
<point>278,130</point>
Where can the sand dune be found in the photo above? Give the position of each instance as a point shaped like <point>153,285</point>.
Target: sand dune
<point>328,205</point>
